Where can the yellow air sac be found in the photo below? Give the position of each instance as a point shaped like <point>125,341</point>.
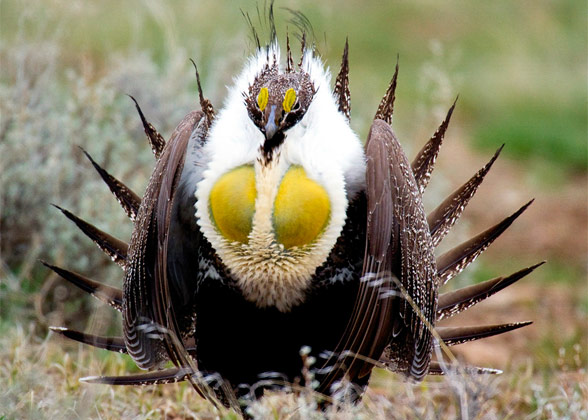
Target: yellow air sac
<point>301,209</point>
<point>232,203</point>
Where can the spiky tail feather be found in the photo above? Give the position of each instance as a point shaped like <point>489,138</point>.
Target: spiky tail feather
<point>457,259</point>
<point>113,247</point>
<point>440,222</point>
<point>107,294</point>
<point>128,200</point>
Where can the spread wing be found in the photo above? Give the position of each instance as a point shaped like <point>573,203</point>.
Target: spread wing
<point>151,328</point>
<point>400,252</point>
<point>398,292</point>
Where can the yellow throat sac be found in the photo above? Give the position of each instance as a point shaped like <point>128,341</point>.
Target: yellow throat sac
<point>301,208</point>
<point>232,203</point>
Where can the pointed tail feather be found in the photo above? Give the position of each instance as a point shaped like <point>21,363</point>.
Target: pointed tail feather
<point>342,84</point>
<point>448,212</point>
<point>129,201</point>
<point>156,140</point>
<point>302,48</point>
<point>424,161</point>
<point>158,377</point>
<point>456,260</point>
<point>435,368</point>
<point>454,302</point>
<point>289,59</point>
<point>205,104</point>
<point>116,344</point>
<point>386,107</point>
<point>103,292</point>
<point>452,336</point>
<point>113,247</point>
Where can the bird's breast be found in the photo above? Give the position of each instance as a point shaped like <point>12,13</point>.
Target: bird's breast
<point>272,225</point>
<point>294,212</point>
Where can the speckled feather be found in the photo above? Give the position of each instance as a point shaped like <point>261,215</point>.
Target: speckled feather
<point>456,301</point>
<point>454,261</point>
<point>341,90</point>
<point>142,285</point>
<point>129,201</point>
<point>156,140</point>
<point>113,247</point>
<point>442,219</point>
<point>424,161</point>
<point>386,107</point>
<point>107,294</point>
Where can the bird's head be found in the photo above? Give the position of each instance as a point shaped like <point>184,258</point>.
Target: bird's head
<point>276,102</point>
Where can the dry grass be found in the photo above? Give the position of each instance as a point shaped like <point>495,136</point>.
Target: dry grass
<point>40,380</point>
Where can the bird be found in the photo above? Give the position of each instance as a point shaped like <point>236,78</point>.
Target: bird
<point>271,240</point>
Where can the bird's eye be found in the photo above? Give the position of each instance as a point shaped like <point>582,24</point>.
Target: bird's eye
<point>296,106</point>
<point>262,98</point>
<point>289,100</point>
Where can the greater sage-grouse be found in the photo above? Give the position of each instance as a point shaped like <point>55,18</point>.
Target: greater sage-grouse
<point>269,236</point>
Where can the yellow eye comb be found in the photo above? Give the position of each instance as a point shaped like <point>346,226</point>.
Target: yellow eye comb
<point>289,100</point>
<point>262,98</point>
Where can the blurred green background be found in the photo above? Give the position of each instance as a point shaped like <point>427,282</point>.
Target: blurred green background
<point>519,69</point>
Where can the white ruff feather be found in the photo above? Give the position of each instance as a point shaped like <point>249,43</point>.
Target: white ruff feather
<point>330,153</point>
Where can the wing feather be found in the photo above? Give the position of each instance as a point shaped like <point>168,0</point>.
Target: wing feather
<point>399,271</point>
<point>145,294</point>
<point>154,329</point>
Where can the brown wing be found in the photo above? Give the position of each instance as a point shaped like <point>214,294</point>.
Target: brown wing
<point>147,312</point>
<point>398,293</point>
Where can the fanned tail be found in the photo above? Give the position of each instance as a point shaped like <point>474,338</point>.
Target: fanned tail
<point>451,263</point>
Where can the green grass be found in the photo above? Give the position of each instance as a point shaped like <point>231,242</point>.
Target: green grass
<point>555,134</point>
